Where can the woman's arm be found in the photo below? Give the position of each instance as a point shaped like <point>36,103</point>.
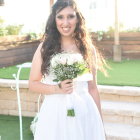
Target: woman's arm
<point>36,76</point>
<point>93,90</point>
<point>92,85</point>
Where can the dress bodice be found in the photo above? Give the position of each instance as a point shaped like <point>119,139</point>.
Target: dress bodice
<point>79,84</point>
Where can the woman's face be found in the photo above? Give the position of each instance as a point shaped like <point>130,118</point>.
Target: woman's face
<point>66,21</point>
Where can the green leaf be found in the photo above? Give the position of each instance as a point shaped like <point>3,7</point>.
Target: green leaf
<point>55,80</point>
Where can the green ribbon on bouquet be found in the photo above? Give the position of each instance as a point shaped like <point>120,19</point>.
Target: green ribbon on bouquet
<point>70,112</point>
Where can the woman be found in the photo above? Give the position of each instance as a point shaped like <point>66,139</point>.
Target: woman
<point>66,31</point>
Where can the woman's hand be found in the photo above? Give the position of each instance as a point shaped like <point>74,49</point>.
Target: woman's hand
<point>66,86</point>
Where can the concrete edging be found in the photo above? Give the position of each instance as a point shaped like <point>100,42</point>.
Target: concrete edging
<point>119,90</point>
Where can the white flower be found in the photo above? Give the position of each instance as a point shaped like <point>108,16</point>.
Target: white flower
<point>66,58</point>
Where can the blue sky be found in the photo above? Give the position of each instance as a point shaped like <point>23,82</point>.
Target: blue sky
<point>33,13</point>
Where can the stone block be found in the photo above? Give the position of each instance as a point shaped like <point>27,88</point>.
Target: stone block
<point>137,98</point>
<point>111,97</point>
<point>7,94</point>
<point>113,118</point>
<point>27,106</point>
<point>7,104</point>
<point>23,105</point>
<point>127,98</point>
<point>13,112</point>
<point>128,119</point>
<point>136,121</point>
<point>4,111</point>
<point>28,114</point>
<point>31,107</point>
<point>125,112</point>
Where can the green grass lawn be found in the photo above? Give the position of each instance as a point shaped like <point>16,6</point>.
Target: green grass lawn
<point>9,128</point>
<point>7,73</point>
<point>126,73</point>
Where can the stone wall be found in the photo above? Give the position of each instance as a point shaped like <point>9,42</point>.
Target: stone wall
<point>8,99</point>
<point>9,106</point>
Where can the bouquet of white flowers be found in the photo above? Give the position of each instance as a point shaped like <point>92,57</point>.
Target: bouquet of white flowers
<point>68,66</point>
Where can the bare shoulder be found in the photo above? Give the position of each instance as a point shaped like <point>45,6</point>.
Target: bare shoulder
<point>38,50</point>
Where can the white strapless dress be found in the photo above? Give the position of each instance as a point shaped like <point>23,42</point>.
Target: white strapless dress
<point>54,124</point>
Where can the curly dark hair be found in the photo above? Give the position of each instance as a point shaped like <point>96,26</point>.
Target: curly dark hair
<point>52,38</point>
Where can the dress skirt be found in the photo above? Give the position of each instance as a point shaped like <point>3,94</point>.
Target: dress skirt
<point>54,123</point>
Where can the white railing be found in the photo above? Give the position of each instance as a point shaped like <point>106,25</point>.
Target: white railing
<point>16,76</point>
